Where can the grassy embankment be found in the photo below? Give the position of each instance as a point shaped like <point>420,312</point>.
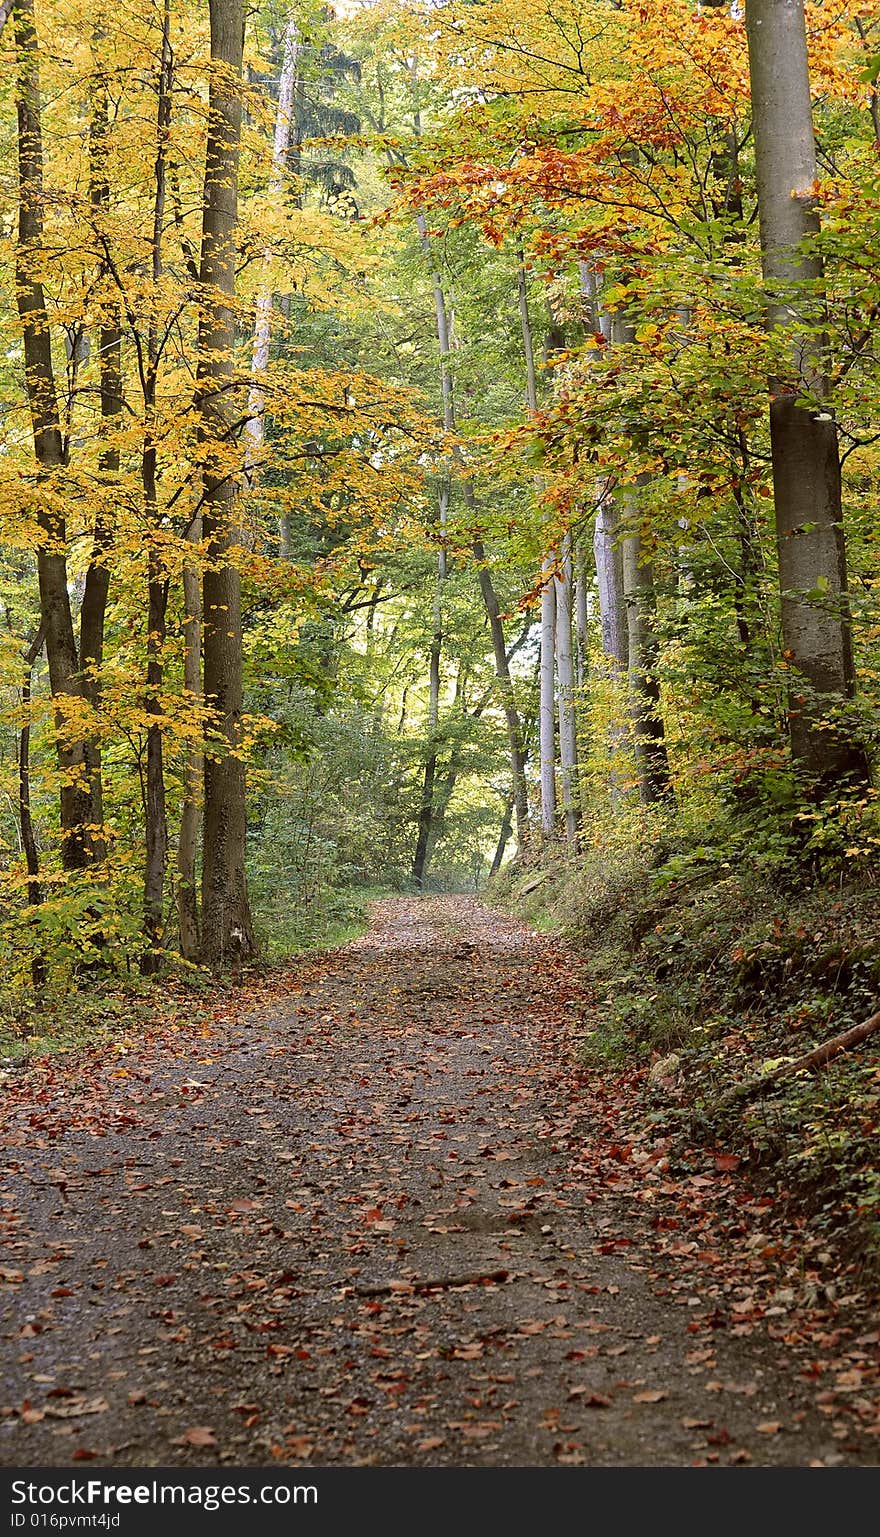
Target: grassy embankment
<point>713,970</point>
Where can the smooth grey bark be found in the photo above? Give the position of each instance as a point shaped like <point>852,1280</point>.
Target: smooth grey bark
<point>547,701</point>
<point>227,928</point>
<point>547,634</point>
<point>609,574</point>
<point>427,810</point>
<point>581,610</point>
<point>568,754</point>
<point>810,539</point>
<point>263,309</point>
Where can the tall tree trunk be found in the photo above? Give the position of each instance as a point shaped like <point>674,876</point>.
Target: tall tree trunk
<point>568,757</point>
<point>649,740</point>
<point>803,434</point>
<point>190,815</point>
<point>652,763</point>
<point>75,760</point>
<point>505,684</point>
<point>547,704</point>
<point>28,837</point>
<point>426,810</point>
<point>254,428</point>
<point>156,817</point>
<point>97,583</point>
<point>582,623</point>
<point>609,573</point>
<point>547,636</point>
<point>227,928</point>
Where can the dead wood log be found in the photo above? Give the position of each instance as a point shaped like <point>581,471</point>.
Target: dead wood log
<point>818,1057</point>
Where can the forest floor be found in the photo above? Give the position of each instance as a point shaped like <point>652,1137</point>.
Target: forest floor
<point>376,1213</point>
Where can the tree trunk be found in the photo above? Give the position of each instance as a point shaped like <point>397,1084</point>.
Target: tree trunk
<point>547,705</point>
<point>549,593</point>
<point>426,810</point>
<point>156,812</point>
<point>156,834</point>
<point>262,324</point>
<point>568,758</point>
<point>75,761</point>
<point>97,583</point>
<point>505,685</point>
<point>810,540</point>
<point>582,624</point>
<point>190,815</point>
<point>28,837</point>
<point>652,763</point>
<point>609,573</point>
<point>227,929</point>
<point>503,836</point>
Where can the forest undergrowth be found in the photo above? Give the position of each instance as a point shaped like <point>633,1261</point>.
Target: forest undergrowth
<point>711,972</point>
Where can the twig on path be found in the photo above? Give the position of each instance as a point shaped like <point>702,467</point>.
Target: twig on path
<point>440,1283</point>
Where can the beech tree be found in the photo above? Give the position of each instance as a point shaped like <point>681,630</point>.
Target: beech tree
<point>810,535</point>
<point>227,928</point>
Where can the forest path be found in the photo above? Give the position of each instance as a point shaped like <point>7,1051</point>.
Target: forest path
<point>219,1245</point>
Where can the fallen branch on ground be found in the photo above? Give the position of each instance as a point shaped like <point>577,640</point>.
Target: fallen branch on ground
<point>818,1057</point>
<point>442,1283</point>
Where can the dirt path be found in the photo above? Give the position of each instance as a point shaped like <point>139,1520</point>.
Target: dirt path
<point>226,1246</point>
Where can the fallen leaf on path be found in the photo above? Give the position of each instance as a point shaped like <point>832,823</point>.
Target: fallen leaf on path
<point>199,1435</point>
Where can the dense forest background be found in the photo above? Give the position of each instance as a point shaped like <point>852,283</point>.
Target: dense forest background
<point>438,440</point>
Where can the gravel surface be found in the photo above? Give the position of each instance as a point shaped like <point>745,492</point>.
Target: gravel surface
<point>345,1229</point>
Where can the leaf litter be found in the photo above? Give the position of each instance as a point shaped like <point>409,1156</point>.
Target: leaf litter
<point>372,1211</point>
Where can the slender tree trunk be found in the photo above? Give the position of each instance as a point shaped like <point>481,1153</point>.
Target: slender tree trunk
<point>649,741</point>
<point>505,686</point>
<point>547,641</point>
<point>582,623</point>
<point>190,815</point>
<point>75,761</point>
<point>547,705</point>
<point>156,811</point>
<point>97,583</point>
<point>503,837</point>
<point>227,929</point>
<point>803,434</point>
<point>263,319</point>
<point>652,763</point>
<point>426,810</point>
<point>609,572</point>
<point>568,757</point>
<point>156,831</point>
<point>28,837</point>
